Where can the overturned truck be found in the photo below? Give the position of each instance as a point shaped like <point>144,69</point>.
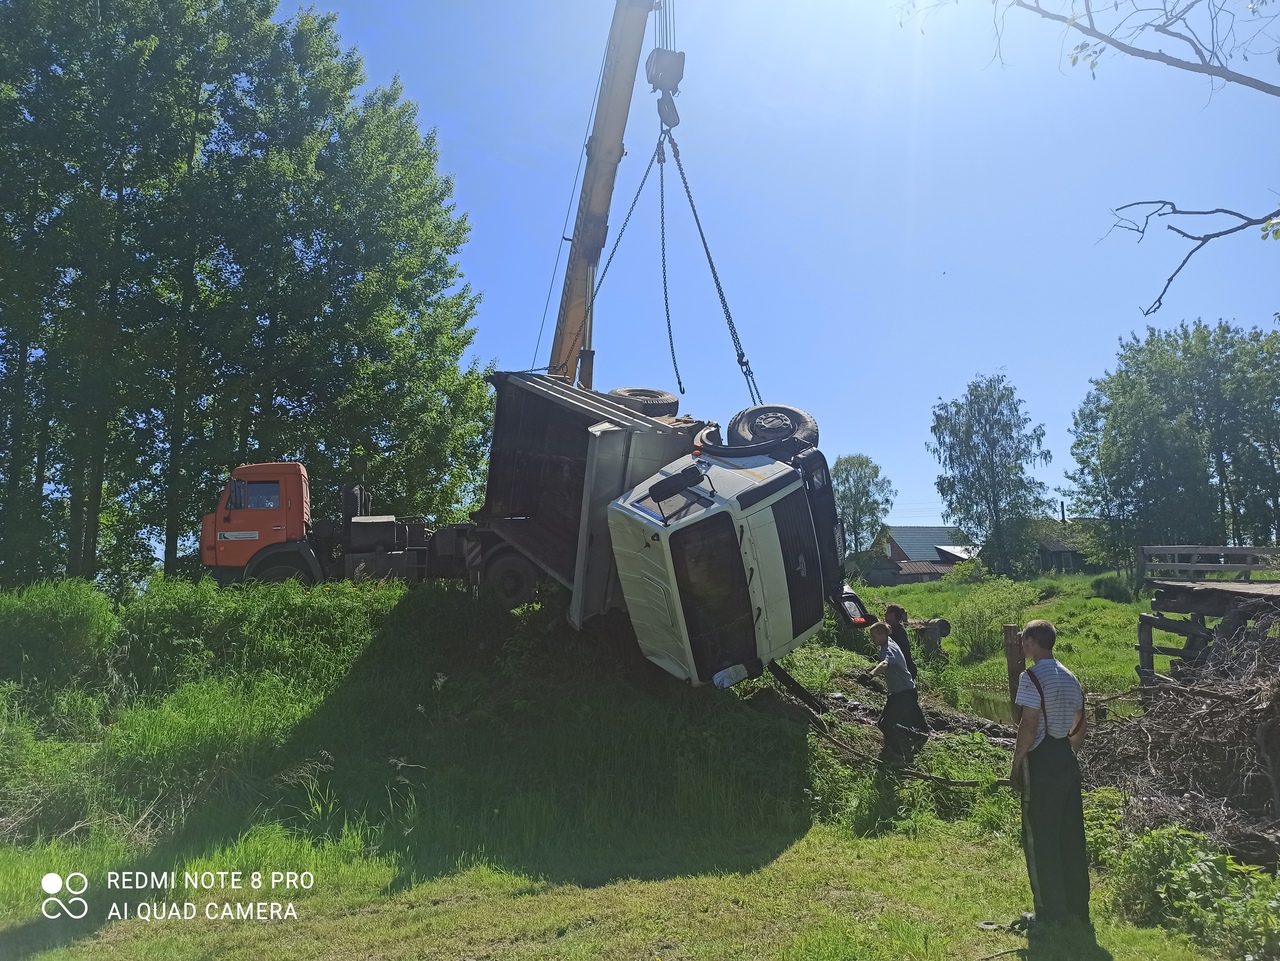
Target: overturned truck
<point>722,553</point>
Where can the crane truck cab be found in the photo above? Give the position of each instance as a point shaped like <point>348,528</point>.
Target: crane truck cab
<point>261,525</point>
<point>263,530</point>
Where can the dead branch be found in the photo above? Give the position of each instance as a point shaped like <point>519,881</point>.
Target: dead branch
<point>1212,38</point>
<point>1205,752</point>
<point>1167,208</point>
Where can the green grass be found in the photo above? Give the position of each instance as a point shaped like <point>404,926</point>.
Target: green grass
<point>468,783</point>
<point>829,895</point>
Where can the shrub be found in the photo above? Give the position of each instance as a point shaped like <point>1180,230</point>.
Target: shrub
<point>977,621</point>
<point>1183,880</point>
<point>965,572</point>
<point>1103,813</point>
<point>57,632</point>
<point>1110,587</point>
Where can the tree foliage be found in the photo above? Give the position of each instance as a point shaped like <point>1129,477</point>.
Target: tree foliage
<point>863,499</point>
<point>1233,42</point>
<point>985,444</point>
<point>1181,443</point>
<point>211,252</point>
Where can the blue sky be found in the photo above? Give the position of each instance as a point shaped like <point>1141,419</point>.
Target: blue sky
<point>891,210</point>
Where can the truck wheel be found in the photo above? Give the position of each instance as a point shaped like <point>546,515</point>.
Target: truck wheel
<point>279,573</point>
<point>513,577</point>
<point>646,400</point>
<point>771,424</point>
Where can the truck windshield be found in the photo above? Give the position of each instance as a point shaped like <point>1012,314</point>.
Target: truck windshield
<point>713,594</point>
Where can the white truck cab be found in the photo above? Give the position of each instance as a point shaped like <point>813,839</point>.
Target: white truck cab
<point>719,561</point>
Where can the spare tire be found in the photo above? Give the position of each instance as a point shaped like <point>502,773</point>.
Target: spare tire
<point>646,400</point>
<point>772,424</point>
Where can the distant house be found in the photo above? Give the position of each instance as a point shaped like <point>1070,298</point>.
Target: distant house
<point>915,554</point>
<point>1062,557</point>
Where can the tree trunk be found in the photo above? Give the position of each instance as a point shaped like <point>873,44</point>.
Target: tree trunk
<point>15,545</point>
<point>176,492</point>
<point>175,489</point>
<point>103,408</point>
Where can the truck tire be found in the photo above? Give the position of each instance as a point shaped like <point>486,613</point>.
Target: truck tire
<point>646,400</point>
<point>772,424</point>
<point>512,577</point>
<point>278,573</point>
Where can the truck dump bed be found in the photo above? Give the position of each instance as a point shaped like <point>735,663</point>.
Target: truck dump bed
<point>559,455</point>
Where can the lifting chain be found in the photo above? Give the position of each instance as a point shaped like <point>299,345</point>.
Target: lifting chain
<point>659,155</point>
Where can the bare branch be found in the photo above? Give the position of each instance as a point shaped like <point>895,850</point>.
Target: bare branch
<point>1195,47</point>
<point>1215,33</point>
<point>1166,208</point>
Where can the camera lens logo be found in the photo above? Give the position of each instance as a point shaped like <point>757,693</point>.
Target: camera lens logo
<point>74,907</point>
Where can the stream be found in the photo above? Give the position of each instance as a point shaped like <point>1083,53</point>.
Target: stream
<point>997,708</point>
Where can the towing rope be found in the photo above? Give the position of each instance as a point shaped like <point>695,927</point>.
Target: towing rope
<point>849,753</point>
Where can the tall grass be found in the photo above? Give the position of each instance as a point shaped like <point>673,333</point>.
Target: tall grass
<point>978,620</point>
<point>1095,635</point>
<point>56,633</point>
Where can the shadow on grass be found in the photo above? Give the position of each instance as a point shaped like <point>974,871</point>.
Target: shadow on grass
<point>566,757</point>
<point>463,734</point>
<point>1066,942</point>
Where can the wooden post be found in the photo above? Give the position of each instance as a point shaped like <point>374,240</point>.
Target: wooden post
<point>1016,662</point>
<point>1146,652</point>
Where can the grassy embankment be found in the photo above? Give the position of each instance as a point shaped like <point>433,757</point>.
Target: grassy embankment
<point>463,782</point>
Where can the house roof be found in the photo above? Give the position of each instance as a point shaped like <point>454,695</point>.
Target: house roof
<point>923,567</point>
<point>920,543</point>
<point>1058,547</point>
<point>960,551</point>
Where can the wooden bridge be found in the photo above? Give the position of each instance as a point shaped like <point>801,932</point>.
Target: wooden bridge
<point>1240,607</point>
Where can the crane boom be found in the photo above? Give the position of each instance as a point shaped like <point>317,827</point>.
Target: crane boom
<point>572,341</point>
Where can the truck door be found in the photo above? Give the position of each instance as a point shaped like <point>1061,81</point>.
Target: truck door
<point>252,516</point>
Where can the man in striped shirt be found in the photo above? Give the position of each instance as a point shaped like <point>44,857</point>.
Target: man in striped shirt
<point>1046,771</point>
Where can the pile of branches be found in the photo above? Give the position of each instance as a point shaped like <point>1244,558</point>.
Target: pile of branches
<point>1205,752</point>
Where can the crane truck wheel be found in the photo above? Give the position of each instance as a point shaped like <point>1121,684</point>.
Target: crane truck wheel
<point>512,577</point>
<point>646,400</point>
<point>772,424</point>
<point>279,573</point>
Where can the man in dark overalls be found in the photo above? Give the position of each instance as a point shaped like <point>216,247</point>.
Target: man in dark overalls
<point>1045,769</point>
<point>902,722</point>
